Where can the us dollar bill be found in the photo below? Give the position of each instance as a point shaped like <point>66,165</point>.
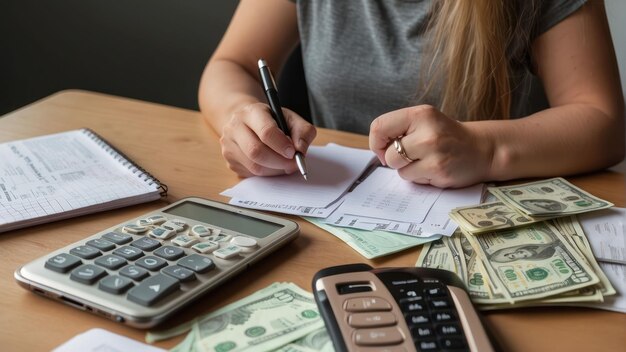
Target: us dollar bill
<point>265,323</point>
<point>489,217</point>
<point>315,341</point>
<point>440,254</point>
<point>532,262</point>
<point>269,319</point>
<point>371,244</point>
<point>548,198</point>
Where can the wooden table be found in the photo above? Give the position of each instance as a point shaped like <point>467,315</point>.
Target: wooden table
<point>179,148</point>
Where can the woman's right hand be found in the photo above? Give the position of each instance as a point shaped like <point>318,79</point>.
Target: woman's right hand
<point>254,145</point>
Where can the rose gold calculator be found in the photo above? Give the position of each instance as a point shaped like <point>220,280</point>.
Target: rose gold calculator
<point>141,271</point>
<point>397,309</point>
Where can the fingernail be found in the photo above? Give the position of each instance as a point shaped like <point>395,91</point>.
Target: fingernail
<point>289,152</point>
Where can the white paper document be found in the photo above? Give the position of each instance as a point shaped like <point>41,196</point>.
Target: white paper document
<point>606,232</point>
<point>436,222</point>
<point>100,340</point>
<point>385,195</point>
<point>332,169</point>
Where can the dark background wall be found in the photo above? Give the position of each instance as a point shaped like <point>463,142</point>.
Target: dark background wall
<point>152,50</point>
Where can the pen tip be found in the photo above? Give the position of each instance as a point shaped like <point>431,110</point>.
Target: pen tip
<point>305,178</point>
<point>261,63</point>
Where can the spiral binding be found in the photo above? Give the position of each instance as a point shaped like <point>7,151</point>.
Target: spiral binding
<point>126,161</point>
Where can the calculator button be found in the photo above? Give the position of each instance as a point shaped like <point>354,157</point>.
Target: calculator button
<point>427,345</point>
<point>184,241</point>
<point>448,329</point>
<point>413,306</point>
<point>157,219</point>
<point>87,274</point>
<point>85,252</point>
<point>365,304</point>
<point>134,272</point>
<point>174,226</point>
<point>117,238</point>
<point>437,304</point>
<point>383,349</point>
<point>62,263</point>
<point>134,229</point>
<point>228,252</point>
<point>110,261</point>
<point>180,273</point>
<point>146,244</point>
<point>153,289</point>
<point>161,233</point>
<point>435,291</point>
<point>246,243</point>
<point>101,244</point>
<point>441,317</point>
<point>201,230</point>
<point>364,320</point>
<point>421,332</point>
<point>144,222</point>
<point>415,318</point>
<point>205,247</point>
<point>151,263</point>
<point>130,253</point>
<point>197,263</point>
<point>452,343</point>
<point>378,337</point>
<point>169,252</point>
<point>115,284</point>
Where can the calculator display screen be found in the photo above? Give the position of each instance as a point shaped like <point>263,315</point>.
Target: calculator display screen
<point>224,219</point>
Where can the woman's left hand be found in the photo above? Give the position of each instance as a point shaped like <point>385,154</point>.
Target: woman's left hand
<point>446,152</point>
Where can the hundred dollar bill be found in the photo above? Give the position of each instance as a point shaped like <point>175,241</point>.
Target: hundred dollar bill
<point>371,244</point>
<point>549,197</point>
<point>479,286</point>
<point>488,217</point>
<point>532,262</point>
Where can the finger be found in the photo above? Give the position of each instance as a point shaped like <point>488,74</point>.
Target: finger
<point>385,129</point>
<point>239,162</point>
<point>416,172</point>
<point>302,132</point>
<point>412,148</point>
<point>266,129</point>
<point>257,151</point>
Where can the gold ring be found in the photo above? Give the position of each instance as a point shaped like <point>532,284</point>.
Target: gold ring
<point>397,143</point>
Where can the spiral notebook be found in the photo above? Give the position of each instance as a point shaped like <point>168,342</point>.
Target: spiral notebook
<point>67,174</point>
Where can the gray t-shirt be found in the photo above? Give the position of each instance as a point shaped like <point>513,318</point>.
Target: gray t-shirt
<point>362,58</point>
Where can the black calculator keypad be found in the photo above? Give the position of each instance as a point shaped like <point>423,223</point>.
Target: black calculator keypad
<point>429,312</point>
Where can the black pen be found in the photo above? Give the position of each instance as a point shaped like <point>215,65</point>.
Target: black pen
<point>269,87</point>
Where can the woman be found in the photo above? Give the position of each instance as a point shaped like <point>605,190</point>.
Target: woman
<point>450,80</point>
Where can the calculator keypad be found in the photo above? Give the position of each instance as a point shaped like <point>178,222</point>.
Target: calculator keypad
<point>149,259</point>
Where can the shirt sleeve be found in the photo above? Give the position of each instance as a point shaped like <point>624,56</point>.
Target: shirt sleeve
<point>552,12</point>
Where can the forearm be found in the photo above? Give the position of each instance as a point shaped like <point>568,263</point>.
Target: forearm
<point>559,141</point>
<point>224,88</point>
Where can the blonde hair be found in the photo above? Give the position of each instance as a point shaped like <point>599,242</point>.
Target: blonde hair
<point>470,50</point>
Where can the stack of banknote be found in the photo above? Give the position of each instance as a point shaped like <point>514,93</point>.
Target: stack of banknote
<point>281,317</point>
<point>527,203</point>
<point>524,249</point>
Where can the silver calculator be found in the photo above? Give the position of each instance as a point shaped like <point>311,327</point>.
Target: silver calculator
<point>143,270</point>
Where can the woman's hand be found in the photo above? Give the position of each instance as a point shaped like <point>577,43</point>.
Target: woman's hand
<point>252,144</point>
<point>446,153</point>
